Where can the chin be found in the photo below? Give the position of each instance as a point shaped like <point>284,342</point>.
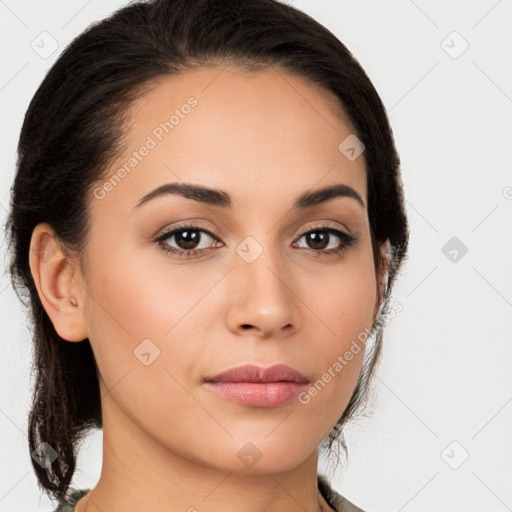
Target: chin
<point>261,456</point>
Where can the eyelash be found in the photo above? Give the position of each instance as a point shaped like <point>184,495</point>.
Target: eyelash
<point>346,241</point>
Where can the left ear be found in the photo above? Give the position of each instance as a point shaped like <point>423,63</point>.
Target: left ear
<point>385,250</point>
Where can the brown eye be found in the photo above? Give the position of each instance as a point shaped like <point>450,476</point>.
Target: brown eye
<point>317,239</point>
<point>187,240</point>
<point>327,240</point>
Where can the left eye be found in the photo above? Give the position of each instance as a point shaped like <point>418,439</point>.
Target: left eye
<point>323,239</point>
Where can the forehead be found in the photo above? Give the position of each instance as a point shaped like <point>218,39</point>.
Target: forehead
<point>259,134</point>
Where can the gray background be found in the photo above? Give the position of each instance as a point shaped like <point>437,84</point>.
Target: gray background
<point>439,437</point>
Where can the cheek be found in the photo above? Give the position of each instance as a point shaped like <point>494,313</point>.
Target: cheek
<point>136,308</point>
<point>139,299</point>
<point>138,329</point>
<point>345,299</point>
<point>344,303</point>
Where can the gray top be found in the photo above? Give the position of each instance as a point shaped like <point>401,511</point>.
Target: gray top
<point>333,498</point>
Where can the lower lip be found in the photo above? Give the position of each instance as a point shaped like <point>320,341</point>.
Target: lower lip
<point>259,394</point>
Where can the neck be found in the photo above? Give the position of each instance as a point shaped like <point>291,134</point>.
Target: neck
<point>139,474</point>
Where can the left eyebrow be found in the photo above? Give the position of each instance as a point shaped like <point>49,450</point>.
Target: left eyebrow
<point>217,197</point>
<point>325,194</point>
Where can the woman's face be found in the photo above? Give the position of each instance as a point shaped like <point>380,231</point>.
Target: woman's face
<point>256,280</point>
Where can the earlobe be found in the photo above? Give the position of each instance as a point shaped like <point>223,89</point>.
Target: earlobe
<point>59,283</point>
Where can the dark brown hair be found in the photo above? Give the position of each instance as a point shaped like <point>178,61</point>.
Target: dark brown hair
<point>73,130</point>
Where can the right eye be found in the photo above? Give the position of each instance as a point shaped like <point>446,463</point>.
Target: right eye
<point>188,239</point>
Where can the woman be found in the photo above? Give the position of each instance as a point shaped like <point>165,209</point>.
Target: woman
<point>208,219</point>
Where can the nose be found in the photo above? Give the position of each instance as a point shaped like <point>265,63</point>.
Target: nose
<point>262,297</point>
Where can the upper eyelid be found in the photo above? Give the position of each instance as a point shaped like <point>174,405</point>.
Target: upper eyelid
<point>172,231</point>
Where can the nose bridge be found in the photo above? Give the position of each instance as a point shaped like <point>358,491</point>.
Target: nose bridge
<point>263,298</point>
<point>260,263</point>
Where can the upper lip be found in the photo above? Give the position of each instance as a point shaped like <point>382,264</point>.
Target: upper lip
<point>254,373</point>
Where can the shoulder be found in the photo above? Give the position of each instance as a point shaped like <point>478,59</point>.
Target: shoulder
<point>70,499</point>
<point>336,500</point>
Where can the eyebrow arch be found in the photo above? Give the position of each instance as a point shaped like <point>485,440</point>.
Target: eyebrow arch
<point>217,197</point>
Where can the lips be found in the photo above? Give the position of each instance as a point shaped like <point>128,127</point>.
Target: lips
<point>258,374</point>
<point>255,386</point>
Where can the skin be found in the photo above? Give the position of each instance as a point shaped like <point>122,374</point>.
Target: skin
<point>170,443</point>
